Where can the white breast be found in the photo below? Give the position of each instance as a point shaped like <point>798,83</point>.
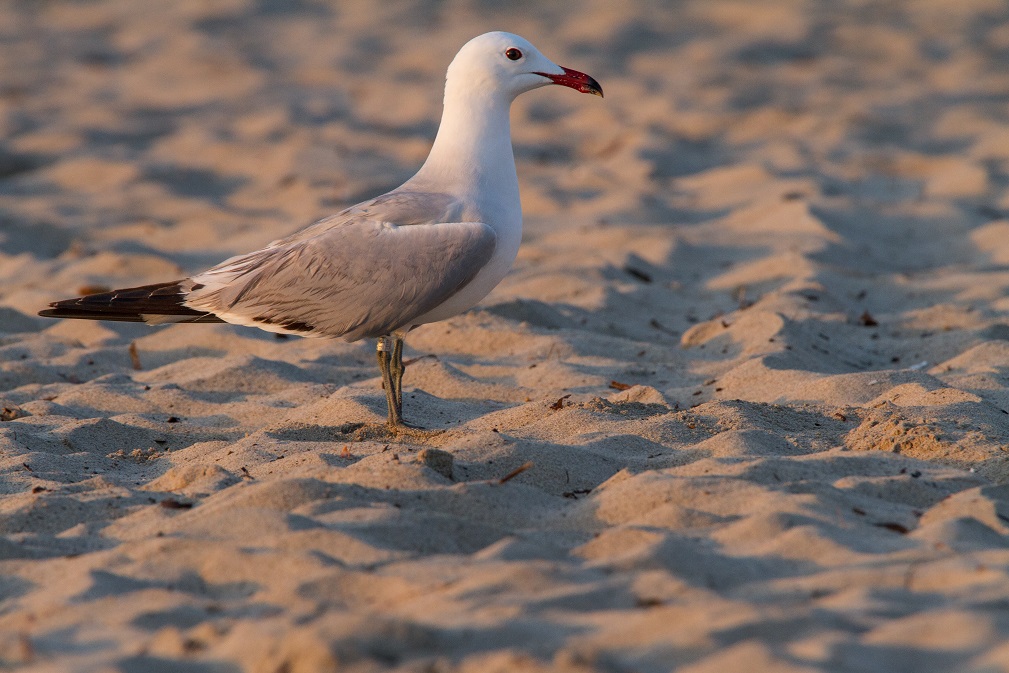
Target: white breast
<point>509,236</point>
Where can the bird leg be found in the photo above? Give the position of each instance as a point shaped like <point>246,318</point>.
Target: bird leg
<point>396,370</point>
<point>395,406</point>
<point>390,362</point>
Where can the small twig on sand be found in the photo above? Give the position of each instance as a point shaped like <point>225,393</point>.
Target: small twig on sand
<point>134,357</point>
<point>407,363</point>
<point>516,472</point>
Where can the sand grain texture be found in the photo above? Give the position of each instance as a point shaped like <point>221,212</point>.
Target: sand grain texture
<point>755,346</point>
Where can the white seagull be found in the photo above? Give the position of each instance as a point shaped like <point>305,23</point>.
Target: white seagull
<point>423,252</point>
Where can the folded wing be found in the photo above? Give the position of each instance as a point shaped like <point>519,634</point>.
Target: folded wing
<point>358,274</point>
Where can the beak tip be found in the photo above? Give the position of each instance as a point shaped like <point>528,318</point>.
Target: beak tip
<point>578,81</point>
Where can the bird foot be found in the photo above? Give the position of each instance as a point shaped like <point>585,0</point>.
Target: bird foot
<point>405,425</point>
<point>378,432</point>
<point>404,429</point>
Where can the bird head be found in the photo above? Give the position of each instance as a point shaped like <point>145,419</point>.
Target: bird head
<point>510,64</point>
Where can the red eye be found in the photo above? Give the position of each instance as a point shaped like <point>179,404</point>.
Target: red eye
<point>513,53</point>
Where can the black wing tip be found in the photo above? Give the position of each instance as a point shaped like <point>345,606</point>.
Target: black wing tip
<point>81,309</point>
<point>66,313</point>
<point>129,305</point>
<point>52,312</point>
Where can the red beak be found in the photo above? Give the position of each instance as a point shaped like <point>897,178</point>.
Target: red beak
<point>578,81</point>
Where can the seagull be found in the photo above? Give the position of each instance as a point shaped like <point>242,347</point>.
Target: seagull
<point>426,251</point>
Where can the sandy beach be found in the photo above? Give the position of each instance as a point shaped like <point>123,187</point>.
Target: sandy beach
<point>741,405</point>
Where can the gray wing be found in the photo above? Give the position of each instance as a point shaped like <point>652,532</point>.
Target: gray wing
<point>366,272</point>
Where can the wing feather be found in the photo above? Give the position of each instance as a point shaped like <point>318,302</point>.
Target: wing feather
<point>357,274</point>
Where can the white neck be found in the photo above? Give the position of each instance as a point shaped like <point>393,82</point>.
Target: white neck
<point>472,153</point>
